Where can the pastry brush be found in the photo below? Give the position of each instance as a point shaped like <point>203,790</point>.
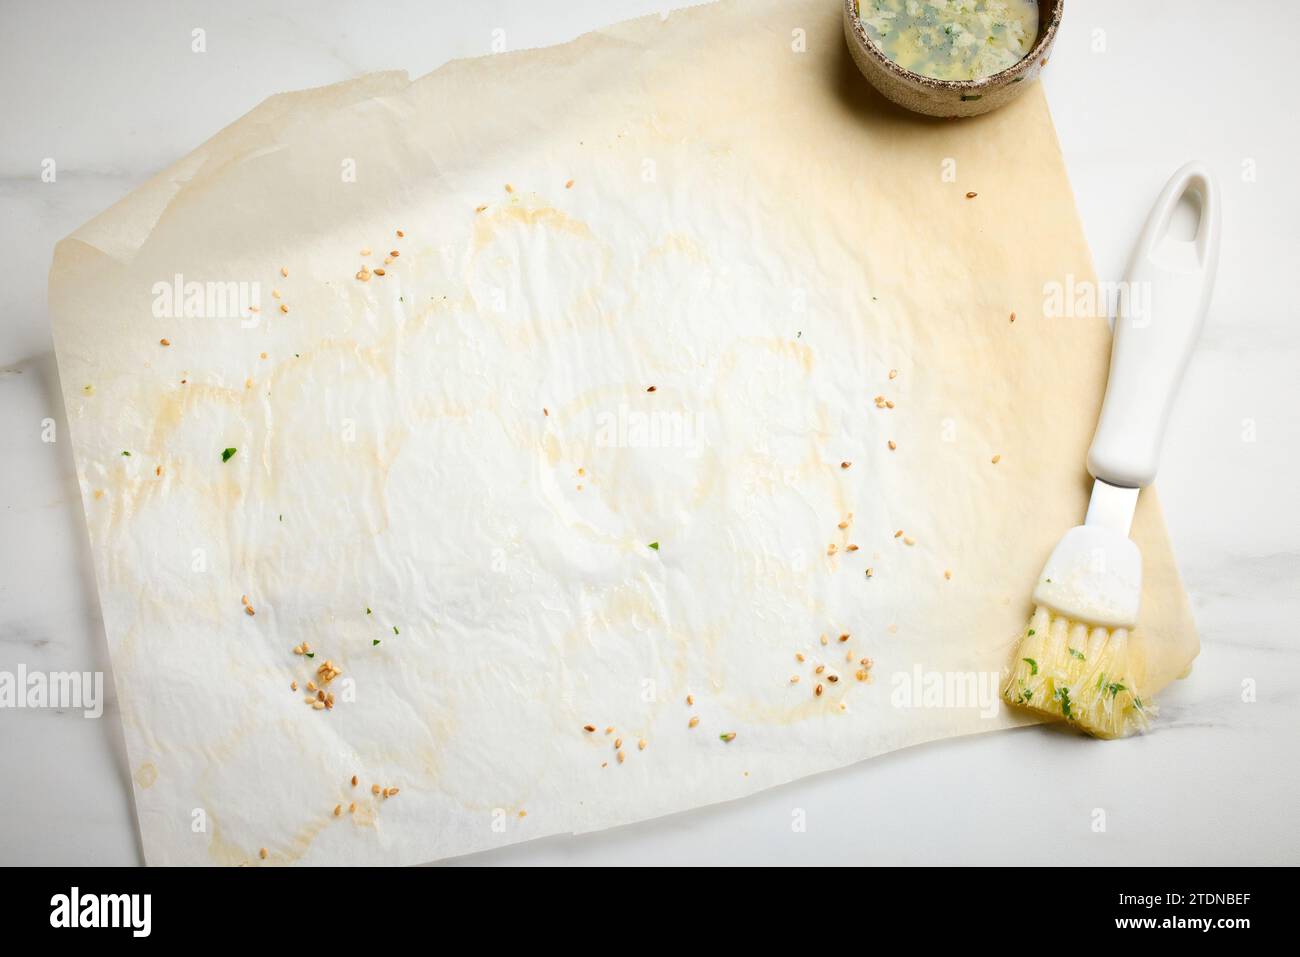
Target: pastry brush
<point>1077,659</point>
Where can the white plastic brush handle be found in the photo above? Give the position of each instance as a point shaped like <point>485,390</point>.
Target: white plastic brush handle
<point>1161,310</point>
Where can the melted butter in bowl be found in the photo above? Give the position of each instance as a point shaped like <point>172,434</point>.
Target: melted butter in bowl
<point>952,39</point>
<point>951,57</point>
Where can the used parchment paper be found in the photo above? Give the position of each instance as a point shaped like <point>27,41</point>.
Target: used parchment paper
<point>601,446</point>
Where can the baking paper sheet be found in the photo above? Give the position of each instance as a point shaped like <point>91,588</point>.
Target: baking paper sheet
<point>579,457</point>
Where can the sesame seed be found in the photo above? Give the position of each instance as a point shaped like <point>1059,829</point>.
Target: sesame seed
<point>394,253</point>
<point>284,272</point>
<point>164,342</point>
<point>997,459</point>
<point>589,728</point>
<point>318,705</point>
<point>365,251</point>
<point>898,534</point>
<point>947,574</point>
<point>354,780</point>
<point>690,699</point>
<point>338,809</point>
<point>352,807</point>
<point>845,465</point>
<point>892,445</point>
<point>401,235</point>
<point>1013,317</point>
<point>693,722</point>
<point>844,638</point>
<point>621,757</point>
<point>263,853</point>
<point>283,307</point>
<point>248,609</point>
<point>798,656</point>
<point>971,195</point>
<point>380,271</point>
<point>374,789</point>
<point>819,669</point>
<point>794,679</point>
<point>618,743</point>
<point>569,185</point>
<point>851,548</point>
<point>832,678</point>
<point>909,540</point>
<point>893,373</point>
<point>818,691</point>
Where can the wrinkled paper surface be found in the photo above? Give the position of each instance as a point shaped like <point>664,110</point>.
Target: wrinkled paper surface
<point>448,478</point>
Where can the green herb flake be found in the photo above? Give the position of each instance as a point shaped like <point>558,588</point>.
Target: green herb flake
<point>373,642</point>
<point>1031,632</point>
<point>1076,653</point>
<point>395,631</point>
<point>126,453</point>
<point>727,736</point>
<point>1063,696</point>
<point>1033,665</point>
<point>311,654</point>
<point>228,454</point>
<point>368,611</point>
<point>654,545</point>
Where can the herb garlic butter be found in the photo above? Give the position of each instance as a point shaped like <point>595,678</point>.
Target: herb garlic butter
<point>951,39</point>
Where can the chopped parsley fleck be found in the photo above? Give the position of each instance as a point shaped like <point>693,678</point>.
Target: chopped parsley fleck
<point>1076,653</point>
<point>126,453</point>
<point>654,545</point>
<point>1031,632</point>
<point>373,642</point>
<point>227,454</point>
<point>395,631</point>
<point>1033,665</point>
<point>1063,696</point>
<point>368,611</point>
<point>311,654</point>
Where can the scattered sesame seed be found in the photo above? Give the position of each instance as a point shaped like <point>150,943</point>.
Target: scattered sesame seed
<point>618,743</point>
<point>819,669</point>
<point>263,853</point>
<point>284,272</point>
<point>794,679</point>
<point>842,525</point>
<point>832,678</point>
<point>892,445</point>
<point>898,534</point>
<point>818,691</point>
<point>652,388</point>
<point>851,548</point>
<point>610,729</point>
<point>997,459</point>
<point>401,235</point>
<point>293,686</point>
<point>379,271</point>
<point>248,610</point>
<point>275,294</point>
<point>893,373</point>
<point>479,209</point>
<point>364,274</point>
<point>283,307</point>
<point>164,342</point>
<point>971,195</point>
<point>589,728</point>
<point>318,705</point>
<point>354,780</point>
<point>374,789</point>
<point>641,745</point>
<point>338,809</point>
<point>365,251</point>
<point>909,540</point>
<point>569,185</point>
<point>690,699</point>
<point>947,574</point>
<point>870,572</point>
<point>509,188</point>
<point>845,465</point>
<point>798,656</point>
<point>693,722</point>
<point>352,807</point>
<point>394,253</point>
<point>823,640</point>
<point>621,757</point>
<point>844,638</point>
<point>1013,317</point>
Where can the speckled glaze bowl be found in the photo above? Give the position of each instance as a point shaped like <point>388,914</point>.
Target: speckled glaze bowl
<point>924,94</point>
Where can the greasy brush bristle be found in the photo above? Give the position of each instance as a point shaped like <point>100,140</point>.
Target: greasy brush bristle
<point>1089,676</point>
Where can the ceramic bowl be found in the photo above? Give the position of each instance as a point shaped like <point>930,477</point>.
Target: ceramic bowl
<point>924,94</point>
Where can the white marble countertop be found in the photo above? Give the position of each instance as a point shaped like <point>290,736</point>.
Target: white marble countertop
<point>113,93</point>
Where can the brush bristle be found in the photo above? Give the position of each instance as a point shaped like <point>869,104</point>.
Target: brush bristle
<point>1089,676</point>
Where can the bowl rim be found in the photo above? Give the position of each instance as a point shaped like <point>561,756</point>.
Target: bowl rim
<point>1046,35</point>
